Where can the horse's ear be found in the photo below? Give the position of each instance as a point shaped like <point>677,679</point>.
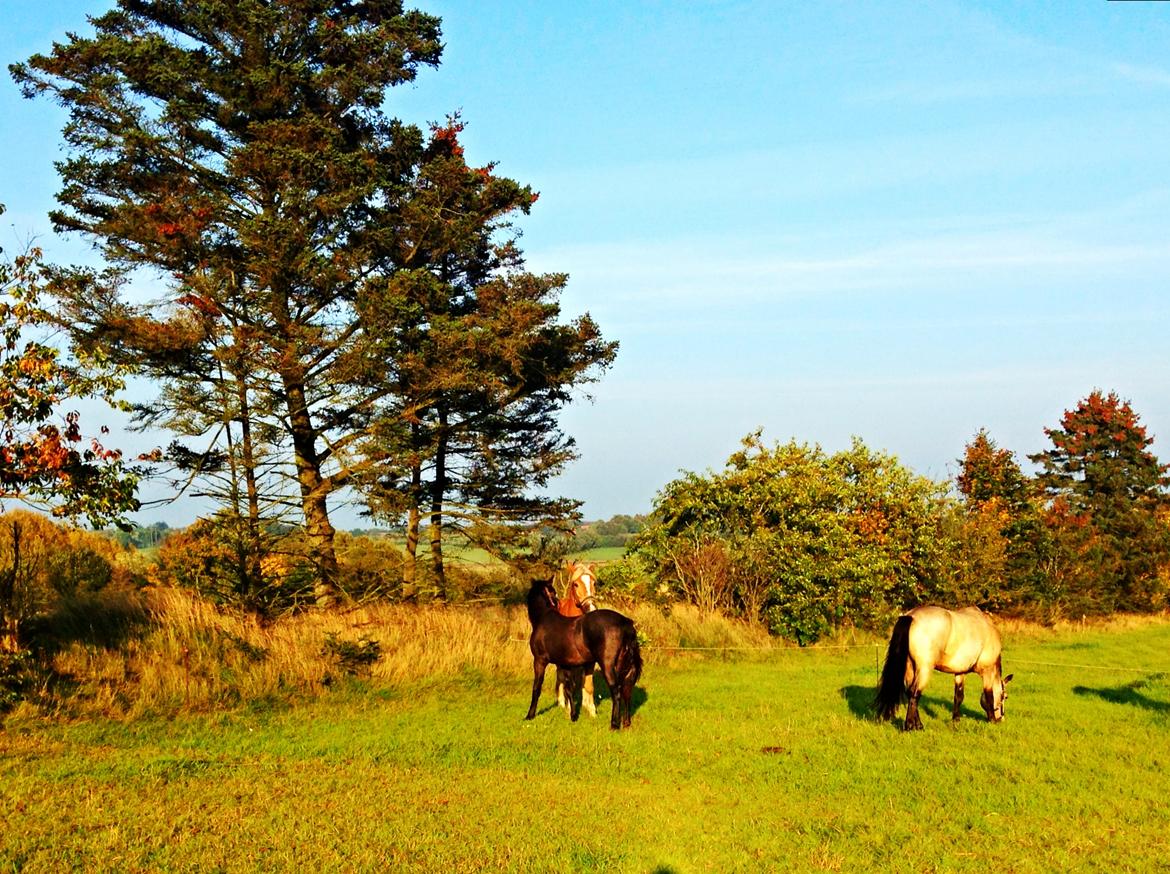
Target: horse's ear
<point>1007,678</point>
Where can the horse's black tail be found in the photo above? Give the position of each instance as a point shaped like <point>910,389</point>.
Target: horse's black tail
<point>892,688</point>
<point>629,658</point>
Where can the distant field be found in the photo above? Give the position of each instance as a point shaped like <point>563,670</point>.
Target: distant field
<point>761,764</point>
<point>474,556</point>
<point>601,553</point>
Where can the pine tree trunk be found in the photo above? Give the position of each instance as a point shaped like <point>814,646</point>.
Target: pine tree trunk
<point>438,493</point>
<point>413,518</point>
<point>314,493</point>
<point>410,563</point>
<point>255,569</point>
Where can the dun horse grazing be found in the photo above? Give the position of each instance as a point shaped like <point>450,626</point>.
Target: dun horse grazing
<point>956,642</point>
<point>602,637</point>
<point>577,601</point>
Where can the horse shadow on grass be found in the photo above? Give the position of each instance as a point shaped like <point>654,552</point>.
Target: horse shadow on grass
<point>637,699</point>
<point>604,697</point>
<point>1130,694</point>
<point>859,699</point>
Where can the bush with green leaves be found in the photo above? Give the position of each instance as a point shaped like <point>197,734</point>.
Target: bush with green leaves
<point>805,540</point>
<point>223,559</point>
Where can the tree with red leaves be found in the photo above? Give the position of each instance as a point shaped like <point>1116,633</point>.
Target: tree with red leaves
<point>1100,457</point>
<point>1101,477</point>
<point>45,460</point>
<point>988,473</point>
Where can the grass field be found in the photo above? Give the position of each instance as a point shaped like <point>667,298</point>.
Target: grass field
<point>600,553</point>
<point>475,556</point>
<point>760,764</point>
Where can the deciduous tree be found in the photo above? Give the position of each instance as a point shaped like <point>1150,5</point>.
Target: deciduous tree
<point>847,537</point>
<point>46,459</point>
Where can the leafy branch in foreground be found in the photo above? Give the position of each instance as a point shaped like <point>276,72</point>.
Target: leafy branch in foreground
<point>45,459</point>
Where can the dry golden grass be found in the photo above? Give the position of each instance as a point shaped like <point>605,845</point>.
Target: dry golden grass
<point>1116,622</point>
<point>179,652</point>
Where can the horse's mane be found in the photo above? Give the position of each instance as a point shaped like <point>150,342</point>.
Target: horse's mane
<point>537,599</point>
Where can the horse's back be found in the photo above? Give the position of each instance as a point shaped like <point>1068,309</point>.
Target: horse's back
<point>606,631</point>
<point>599,624</point>
<point>957,641</point>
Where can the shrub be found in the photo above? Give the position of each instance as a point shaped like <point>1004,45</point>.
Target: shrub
<point>41,562</point>
<point>355,658</point>
<point>806,540</point>
<point>628,579</point>
<point>225,560</point>
<point>370,567</point>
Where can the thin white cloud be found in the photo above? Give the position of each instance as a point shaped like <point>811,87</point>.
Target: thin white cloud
<point>682,269</point>
<point>1144,75</point>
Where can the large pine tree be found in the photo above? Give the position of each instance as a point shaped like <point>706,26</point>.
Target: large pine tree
<point>478,363</point>
<point>241,148</point>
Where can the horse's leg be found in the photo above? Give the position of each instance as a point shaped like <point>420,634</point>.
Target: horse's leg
<point>959,680</point>
<point>538,667</point>
<point>921,678</point>
<point>608,670</point>
<point>564,697</point>
<point>573,683</point>
<point>627,696</point>
<point>587,698</point>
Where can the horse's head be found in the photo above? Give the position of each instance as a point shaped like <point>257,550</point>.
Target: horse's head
<point>580,590</point>
<point>992,699</point>
<point>542,597</point>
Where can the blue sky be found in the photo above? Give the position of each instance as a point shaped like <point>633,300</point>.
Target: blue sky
<point>900,221</point>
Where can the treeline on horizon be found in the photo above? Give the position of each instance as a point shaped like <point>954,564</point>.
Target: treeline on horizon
<point>808,542</point>
<point>789,536</point>
<point>617,531</point>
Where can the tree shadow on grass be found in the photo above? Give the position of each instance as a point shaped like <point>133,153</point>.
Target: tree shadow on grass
<point>1130,694</point>
<point>105,620</point>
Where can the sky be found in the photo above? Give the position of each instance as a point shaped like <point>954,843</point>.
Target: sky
<point>901,222</point>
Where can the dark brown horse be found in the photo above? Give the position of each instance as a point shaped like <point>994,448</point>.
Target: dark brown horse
<point>602,637</point>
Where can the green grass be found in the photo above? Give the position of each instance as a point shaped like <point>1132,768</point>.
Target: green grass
<point>600,553</point>
<point>769,764</point>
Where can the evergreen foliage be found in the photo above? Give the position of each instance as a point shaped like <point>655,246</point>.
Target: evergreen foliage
<point>344,308</point>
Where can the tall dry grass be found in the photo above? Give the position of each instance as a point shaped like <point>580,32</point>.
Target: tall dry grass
<point>166,650</point>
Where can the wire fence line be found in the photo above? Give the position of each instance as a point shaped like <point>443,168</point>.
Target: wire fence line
<point>877,648</point>
<point>1091,667</point>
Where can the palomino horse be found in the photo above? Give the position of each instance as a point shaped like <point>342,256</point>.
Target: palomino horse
<point>577,601</point>
<point>957,642</point>
<point>602,637</point>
